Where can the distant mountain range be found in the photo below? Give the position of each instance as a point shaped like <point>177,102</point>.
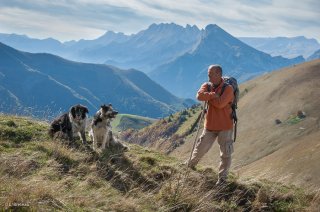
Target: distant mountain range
<point>33,45</point>
<point>44,85</point>
<point>284,46</point>
<point>315,55</point>
<point>145,50</point>
<point>152,47</point>
<point>174,56</point>
<point>184,75</point>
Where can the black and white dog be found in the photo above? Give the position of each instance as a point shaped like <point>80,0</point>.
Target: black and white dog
<point>71,123</point>
<point>101,130</point>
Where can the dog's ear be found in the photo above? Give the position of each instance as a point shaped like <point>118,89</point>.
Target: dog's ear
<point>110,105</point>
<point>86,110</point>
<point>73,111</point>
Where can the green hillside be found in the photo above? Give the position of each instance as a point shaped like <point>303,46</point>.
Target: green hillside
<point>128,121</point>
<point>41,174</point>
<point>168,133</point>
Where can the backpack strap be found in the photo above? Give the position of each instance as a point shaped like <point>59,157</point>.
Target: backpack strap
<point>234,113</point>
<point>223,88</point>
<point>206,105</point>
<point>209,85</point>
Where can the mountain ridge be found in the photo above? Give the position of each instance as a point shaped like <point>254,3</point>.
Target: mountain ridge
<point>43,78</point>
<point>289,47</point>
<point>314,56</point>
<point>216,46</point>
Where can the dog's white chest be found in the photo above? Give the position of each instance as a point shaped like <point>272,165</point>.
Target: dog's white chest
<point>102,128</point>
<point>78,127</point>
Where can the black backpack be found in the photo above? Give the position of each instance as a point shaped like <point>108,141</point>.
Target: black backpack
<point>233,82</point>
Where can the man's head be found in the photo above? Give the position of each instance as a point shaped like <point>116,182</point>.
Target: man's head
<point>215,74</point>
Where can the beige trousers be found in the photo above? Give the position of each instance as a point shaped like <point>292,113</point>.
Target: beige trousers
<point>205,142</point>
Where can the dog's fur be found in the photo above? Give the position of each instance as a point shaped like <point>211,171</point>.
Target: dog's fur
<point>71,123</point>
<point>101,130</point>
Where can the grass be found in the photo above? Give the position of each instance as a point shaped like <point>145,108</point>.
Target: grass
<point>18,129</point>
<point>293,120</point>
<point>128,121</point>
<point>190,121</point>
<point>167,133</point>
<point>244,91</point>
<point>41,174</point>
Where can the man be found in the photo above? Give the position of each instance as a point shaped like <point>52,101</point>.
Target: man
<point>218,122</point>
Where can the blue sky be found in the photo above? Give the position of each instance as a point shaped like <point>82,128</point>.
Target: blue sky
<point>89,19</point>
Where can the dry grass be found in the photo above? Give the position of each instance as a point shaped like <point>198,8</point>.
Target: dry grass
<point>288,152</point>
<point>166,134</point>
<point>43,175</point>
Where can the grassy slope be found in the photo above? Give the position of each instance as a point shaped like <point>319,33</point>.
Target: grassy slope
<point>290,148</point>
<point>168,133</point>
<point>127,121</point>
<point>288,152</point>
<point>48,175</point>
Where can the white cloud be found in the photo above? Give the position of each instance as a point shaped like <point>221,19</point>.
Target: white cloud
<point>75,19</point>
<point>40,25</point>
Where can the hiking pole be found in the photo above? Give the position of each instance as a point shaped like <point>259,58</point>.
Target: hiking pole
<point>204,111</point>
<point>187,171</point>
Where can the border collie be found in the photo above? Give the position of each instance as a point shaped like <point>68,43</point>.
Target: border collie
<point>71,123</point>
<point>101,130</point>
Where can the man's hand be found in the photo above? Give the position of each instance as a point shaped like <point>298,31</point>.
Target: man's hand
<point>216,95</point>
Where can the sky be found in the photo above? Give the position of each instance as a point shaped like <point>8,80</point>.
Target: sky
<point>88,19</point>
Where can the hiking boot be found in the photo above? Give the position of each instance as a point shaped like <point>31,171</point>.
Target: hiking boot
<point>193,167</point>
<point>221,182</point>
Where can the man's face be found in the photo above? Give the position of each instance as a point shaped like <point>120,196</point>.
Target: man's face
<point>214,76</point>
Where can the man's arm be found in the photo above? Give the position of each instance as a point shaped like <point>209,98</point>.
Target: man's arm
<point>203,94</point>
<point>223,100</point>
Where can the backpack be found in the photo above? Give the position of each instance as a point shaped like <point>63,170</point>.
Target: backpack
<point>233,82</point>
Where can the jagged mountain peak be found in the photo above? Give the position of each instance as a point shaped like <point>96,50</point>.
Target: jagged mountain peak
<point>170,28</point>
<point>212,27</point>
<point>216,46</point>
<point>214,32</point>
<point>164,26</point>
<point>111,33</point>
<point>216,41</point>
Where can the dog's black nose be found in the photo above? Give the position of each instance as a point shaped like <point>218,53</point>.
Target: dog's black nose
<point>115,112</point>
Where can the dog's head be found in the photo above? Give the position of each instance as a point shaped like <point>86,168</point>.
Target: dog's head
<point>79,112</point>
<point>108,112</point>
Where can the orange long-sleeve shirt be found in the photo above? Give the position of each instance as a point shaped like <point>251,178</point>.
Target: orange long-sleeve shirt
<point>218,116</point>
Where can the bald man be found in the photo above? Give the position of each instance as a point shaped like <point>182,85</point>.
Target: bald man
<point>218,122</point>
